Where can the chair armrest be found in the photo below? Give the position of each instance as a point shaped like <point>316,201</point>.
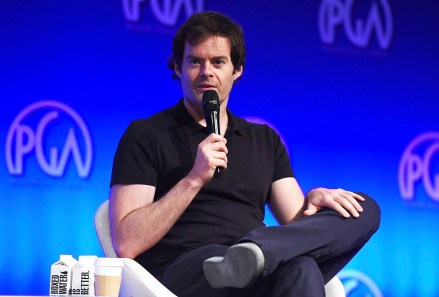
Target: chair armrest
<point>138,282</point>
<point>335,288</point>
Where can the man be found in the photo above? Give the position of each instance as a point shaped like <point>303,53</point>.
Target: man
<point>205,236</point>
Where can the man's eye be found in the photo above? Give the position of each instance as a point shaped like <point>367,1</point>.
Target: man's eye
<point>194,61</point>
<point>219,62</point>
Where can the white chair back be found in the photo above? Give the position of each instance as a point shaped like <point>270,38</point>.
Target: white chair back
<point>102,226</point>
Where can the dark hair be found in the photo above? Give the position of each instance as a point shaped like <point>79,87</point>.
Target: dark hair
<point>203,24</point>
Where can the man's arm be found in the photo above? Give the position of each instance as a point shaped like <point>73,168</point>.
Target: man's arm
<point>287,201</point>
<point>138,223</point>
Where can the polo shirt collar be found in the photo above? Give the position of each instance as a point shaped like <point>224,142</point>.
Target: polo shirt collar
<point>190,126</point>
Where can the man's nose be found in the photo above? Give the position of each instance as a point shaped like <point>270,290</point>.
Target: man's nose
<point>206,70</point>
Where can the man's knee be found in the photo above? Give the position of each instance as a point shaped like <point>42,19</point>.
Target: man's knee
<point>372,211</point>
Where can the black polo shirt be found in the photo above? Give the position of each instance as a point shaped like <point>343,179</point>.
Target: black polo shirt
<point>161,150</point>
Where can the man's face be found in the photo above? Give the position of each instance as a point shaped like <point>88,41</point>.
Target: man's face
<point>207,66</point>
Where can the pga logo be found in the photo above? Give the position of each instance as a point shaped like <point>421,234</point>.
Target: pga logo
<point>417,164</point>
<point>55,134</point>
<point>359,284</point>
<point>334,14</point>
<point>165,11</point>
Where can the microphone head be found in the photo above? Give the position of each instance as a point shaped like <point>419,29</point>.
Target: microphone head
<point>211,101</point>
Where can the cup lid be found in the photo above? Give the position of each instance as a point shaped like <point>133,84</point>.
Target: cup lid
<point>115,262</point>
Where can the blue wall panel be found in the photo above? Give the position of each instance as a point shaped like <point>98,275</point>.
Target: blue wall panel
<point>347,101</point>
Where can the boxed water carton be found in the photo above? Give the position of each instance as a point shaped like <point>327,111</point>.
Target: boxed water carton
<point>61,275</point>
<point>83,276</point>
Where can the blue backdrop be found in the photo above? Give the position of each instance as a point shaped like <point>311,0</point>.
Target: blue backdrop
<point>351,85</point>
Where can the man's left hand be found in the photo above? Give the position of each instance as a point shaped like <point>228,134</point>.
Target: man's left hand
<point>342,201</point>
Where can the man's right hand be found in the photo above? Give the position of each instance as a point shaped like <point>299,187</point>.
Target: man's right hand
<point>211,153</point>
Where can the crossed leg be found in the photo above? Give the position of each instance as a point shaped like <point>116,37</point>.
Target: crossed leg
<point>299,258</point>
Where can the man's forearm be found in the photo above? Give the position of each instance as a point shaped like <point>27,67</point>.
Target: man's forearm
<point>145,226</point>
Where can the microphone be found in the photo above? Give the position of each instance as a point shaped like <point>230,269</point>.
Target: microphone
<point>211,107</point>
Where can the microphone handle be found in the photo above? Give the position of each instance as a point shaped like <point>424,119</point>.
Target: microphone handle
<point>213,125</point>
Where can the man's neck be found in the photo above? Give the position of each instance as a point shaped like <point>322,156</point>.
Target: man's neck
<point>197,112</point>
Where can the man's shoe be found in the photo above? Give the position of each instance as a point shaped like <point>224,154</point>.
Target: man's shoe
<point>241,265</point>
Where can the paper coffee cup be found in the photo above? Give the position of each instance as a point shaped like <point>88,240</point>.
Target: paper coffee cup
<point>108,276</point>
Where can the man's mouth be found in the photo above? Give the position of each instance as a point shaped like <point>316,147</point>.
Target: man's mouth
<point>205,87</point>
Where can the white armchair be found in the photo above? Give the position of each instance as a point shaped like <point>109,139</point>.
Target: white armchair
<point>137,281</point>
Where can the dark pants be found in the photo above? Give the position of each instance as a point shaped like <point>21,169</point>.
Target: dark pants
<point>299,257</point>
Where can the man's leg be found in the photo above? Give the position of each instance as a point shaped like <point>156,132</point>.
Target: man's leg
<point>185,277</point>
<point>327,237</point>
<point>300,276</point>
<point>331,240</point>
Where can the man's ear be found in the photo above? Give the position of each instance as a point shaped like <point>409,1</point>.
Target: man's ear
<point>177,70</point>
<point>237,73</point>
